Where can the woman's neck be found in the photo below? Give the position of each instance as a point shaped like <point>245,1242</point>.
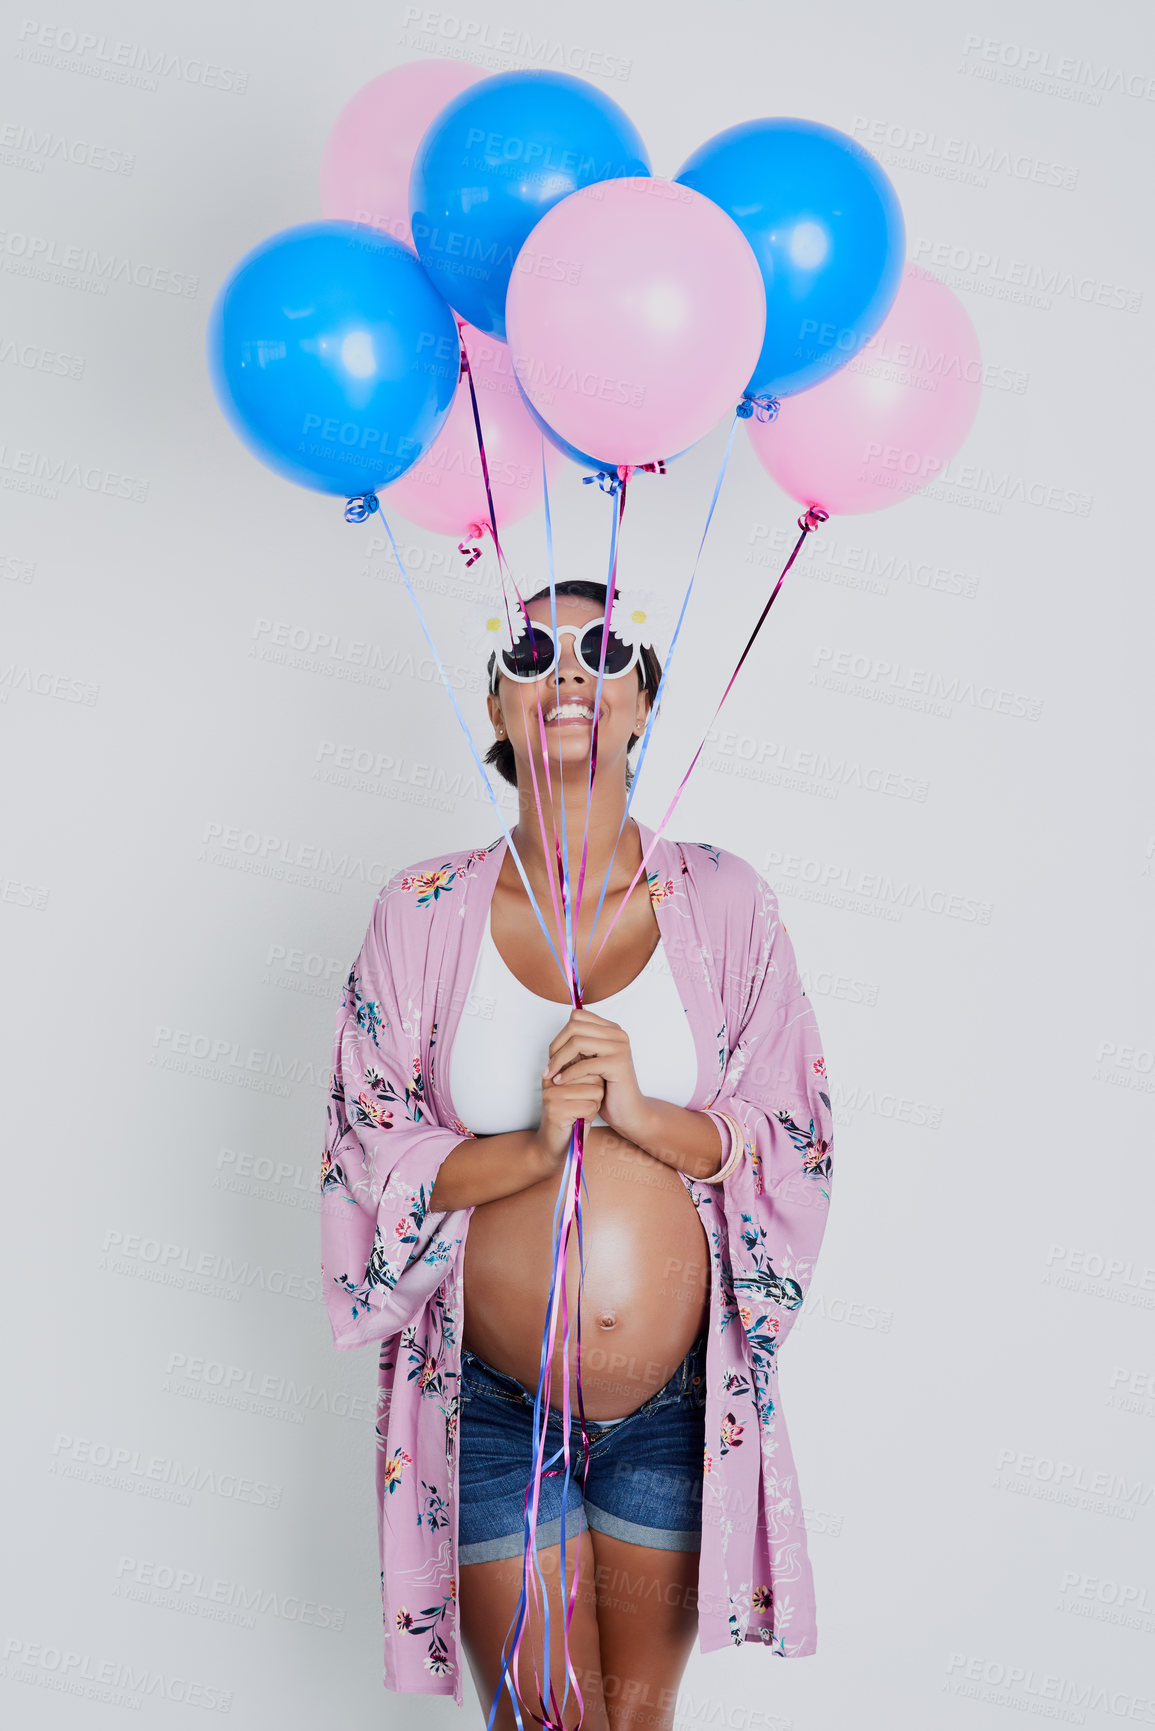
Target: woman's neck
<point>606,842</point>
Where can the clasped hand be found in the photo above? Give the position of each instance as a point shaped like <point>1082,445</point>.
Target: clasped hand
<point>590,1048</point>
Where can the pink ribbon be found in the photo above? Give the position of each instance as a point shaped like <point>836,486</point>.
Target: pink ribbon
<point>807,523</point>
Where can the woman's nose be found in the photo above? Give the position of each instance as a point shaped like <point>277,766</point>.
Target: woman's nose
<point>568,665</point>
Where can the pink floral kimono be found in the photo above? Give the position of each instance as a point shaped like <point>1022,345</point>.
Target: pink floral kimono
<point>393,1267</point>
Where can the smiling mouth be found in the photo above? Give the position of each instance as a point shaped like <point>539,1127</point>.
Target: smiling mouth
<point>569,712</point>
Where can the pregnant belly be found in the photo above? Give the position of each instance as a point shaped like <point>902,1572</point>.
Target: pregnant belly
<point>645,1298</point>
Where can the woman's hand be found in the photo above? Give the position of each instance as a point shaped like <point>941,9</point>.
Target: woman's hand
<point>562,1104</point>
<point>592,1049</point>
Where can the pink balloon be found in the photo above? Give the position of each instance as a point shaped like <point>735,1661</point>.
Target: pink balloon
<point>890,420</point>
<point>445,491</point>
<point>370,151</point>
<point>635,315</point>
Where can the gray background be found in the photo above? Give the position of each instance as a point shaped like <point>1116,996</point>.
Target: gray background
<point>971,1388</point>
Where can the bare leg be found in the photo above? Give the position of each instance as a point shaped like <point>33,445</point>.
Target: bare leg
<point>647,1621</point>
<point>489,1595</point>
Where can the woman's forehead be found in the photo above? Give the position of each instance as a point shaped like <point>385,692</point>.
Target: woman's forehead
<point>572,609</point>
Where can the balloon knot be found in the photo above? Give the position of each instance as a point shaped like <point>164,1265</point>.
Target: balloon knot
<point>811,518</point>
<point>766,408</point>
<point>474,533</point>
<point>613,481</point>
<point>364,505</point>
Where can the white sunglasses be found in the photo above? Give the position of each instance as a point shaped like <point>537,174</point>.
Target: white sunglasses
<point>535,653</point>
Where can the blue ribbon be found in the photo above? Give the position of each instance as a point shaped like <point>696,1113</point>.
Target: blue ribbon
<point>668,660</point>
<point>356,511</point>
<point>766,408</point>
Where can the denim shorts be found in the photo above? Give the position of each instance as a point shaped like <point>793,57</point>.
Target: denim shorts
<point>643,1480</point>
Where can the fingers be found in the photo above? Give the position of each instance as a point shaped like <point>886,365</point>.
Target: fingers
<point>598,1025</point>
<point>579,1073</point>
<point>609,1042</point>
<point>571,1053</point>
<point>577,1099</point>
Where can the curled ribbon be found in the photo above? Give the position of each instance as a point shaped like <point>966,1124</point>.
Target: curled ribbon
<point>364,505</point>
<point>615,481</point>
<point>473,535</point>
<point>766,408</point>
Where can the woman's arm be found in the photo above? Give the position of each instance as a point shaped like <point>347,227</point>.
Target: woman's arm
<point>590,1047</point>
<point>690,1142</point>
<point>485,1168</point>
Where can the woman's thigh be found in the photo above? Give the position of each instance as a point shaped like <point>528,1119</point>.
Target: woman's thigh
<point>489,1596</point>
<point>647,1623</point>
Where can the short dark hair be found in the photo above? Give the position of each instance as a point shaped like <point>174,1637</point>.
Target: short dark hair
<point>649,671</point>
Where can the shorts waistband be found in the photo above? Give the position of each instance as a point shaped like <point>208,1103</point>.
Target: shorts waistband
<point>694,1358</point>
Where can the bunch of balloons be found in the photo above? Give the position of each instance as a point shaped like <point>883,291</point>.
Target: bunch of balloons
<point>496,253</point>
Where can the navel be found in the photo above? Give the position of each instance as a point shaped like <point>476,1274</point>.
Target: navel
<point>607,1319</point>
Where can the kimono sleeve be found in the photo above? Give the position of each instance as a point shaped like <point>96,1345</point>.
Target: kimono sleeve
<point>775,1086</point>
<point>384,1252</point>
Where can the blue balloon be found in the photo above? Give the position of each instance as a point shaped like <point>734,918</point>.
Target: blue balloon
<point>826,228</point>
<point>333,356</point>
<point>493,162</point>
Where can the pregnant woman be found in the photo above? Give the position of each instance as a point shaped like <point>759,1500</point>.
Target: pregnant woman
<point>459,1069</point>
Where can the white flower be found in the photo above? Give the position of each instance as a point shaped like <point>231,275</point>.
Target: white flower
<point>641,616</point>
<point>486,627</point>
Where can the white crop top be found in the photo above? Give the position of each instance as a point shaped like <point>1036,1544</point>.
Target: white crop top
<point>503,1038</point>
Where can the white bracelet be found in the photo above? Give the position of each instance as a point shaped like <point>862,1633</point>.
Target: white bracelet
<point>737,1151</point>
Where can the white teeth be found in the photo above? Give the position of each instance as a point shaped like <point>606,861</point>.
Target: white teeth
<point>568,709</point>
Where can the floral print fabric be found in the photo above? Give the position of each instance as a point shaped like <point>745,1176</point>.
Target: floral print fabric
<point>392,1268</point>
